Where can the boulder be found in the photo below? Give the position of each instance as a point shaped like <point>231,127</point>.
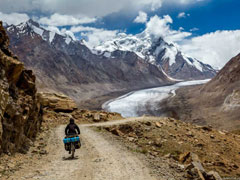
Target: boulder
<point>158,124</point>
<point>195,170</point>
<point>96,117</point>
<point>57,102</point>
<point>116,132</point>
<point>188,157</point>
<point>212,175</point>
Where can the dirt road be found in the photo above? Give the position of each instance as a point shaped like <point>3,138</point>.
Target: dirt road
<point>99,159</point>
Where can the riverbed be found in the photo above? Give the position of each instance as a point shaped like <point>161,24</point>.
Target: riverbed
<point>138,103</point>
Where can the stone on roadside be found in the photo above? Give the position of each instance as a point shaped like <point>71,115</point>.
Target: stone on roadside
<point>158,125</point>
<point>212,175</point>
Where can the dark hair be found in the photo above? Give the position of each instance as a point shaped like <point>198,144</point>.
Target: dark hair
<point>71,120</point>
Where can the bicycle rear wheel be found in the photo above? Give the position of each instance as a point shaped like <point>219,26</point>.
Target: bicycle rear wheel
<point>72,150</point>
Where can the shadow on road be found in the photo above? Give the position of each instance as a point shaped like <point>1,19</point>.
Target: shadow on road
<point>70,158</point>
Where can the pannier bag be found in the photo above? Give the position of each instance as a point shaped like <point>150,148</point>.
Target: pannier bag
<point>71,139</point>
<point>75,140</point>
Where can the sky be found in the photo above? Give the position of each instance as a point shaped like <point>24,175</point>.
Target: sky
<point>208,30</point>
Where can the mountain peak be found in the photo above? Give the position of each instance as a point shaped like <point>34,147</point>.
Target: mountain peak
<point>158,52</point>
<point>33,28</point>
<point>32,22</point>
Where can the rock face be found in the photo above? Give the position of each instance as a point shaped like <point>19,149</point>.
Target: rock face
<point>227,82</point>
<point>20,116</point>
<point>68,66</point>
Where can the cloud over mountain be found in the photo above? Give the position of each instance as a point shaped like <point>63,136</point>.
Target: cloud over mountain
<point>13,18</point>
<point>215,48</point>
<point>65,20</point>
<point>141,18</point>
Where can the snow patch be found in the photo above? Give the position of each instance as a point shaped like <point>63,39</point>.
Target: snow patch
<point>68,40</point>
<point>195,62</point>
<point>170,54</point>
<point>170,77</point>
<point>38,30</point>
<point>198,65</point>
<point>107,54</point>
<point>51,36</point>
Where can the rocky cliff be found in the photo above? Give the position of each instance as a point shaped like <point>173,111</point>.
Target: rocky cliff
<point>20,114</point>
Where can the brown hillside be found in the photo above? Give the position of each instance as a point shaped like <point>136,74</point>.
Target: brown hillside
<point>216,103</point>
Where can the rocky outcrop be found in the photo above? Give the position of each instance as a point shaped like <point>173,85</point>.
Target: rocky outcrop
<point>194,168</point>
<point>57,102</point>
<point>59,108</point>
<point>20,114</point>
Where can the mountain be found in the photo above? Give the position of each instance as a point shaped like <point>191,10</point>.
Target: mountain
<point>66,65</point>
<point>216,103</point>
<point>20,113</point>
<point>158,52</point>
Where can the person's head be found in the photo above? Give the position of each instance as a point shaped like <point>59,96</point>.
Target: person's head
<point>71,121</point>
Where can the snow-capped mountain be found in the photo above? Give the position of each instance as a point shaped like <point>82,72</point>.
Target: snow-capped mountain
<point>158,52</point>
<point>32,28</point>
<point>71,67</point>
<point>151,49</point>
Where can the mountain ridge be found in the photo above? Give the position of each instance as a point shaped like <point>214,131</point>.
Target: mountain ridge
<point>73,69</point>
<point>158,52</point>
<point>154,50</point>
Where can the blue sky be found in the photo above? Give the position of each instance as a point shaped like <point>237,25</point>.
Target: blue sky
<point>207,16</point>
<point>209,30</point>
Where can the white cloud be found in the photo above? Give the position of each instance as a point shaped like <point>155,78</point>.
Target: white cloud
<point>181,29</point>
<point>53,29</point>
<point>182,15</point>
<point>95,36</point>
<point>89,8</point>
<point>160,27</point>
<point>184,2</point>
<point>194,29</point>
<point>154,4</point>
<point>215,48</point>
<point>13,18</point>
<point>141,18</point>
<point>156,27</point>
<point>64,20</point>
